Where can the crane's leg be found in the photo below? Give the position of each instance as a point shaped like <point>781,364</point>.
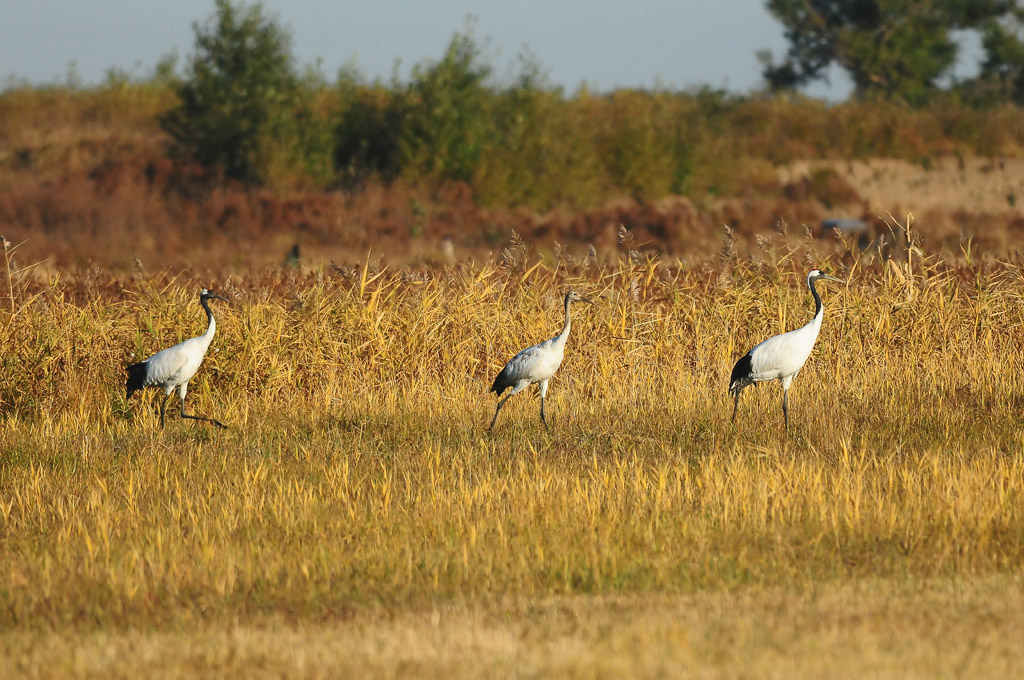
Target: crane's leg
<point>181,394</point>
<point>786,382</point>
<point>543,391</point>
<point>163,407</point>
<point>516,389</point>
<point>500,403</point>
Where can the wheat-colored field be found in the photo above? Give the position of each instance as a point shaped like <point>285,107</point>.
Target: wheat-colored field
<point>357,517</point>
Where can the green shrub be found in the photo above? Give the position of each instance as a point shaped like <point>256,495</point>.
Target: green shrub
<point>446,117</point>
<point>241,105</point>
<point>367,130</point>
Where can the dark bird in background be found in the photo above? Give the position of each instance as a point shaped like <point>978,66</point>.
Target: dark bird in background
<point>291,260</point>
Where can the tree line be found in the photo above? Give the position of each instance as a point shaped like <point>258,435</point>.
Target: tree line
<point>901,49</point>
<point>245,107</point>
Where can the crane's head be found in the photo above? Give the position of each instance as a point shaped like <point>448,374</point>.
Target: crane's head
<point>573,296</point>
<point>206,294</point>
<point>818,275</point>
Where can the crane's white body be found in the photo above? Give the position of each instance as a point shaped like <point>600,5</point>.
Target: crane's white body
<point>172,368</point>
<point>536,364</point>
<point>780,357</point>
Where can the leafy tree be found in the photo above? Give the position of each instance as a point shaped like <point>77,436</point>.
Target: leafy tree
<point>237,101</point>
<point>893,48</point>
<point>446,118</point>
<point>1002,72</point>
<point>367,131</point>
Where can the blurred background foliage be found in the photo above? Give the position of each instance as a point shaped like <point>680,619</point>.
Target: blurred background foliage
<point>242,108</point>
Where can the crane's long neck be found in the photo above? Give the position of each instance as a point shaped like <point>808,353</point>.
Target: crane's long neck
<point>818,307</point>
<point>563,336</point>
<point>211,326</point>
<point>814,325</point>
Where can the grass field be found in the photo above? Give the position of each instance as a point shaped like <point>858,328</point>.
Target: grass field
<point>357,517</point>
<point>840,629</point>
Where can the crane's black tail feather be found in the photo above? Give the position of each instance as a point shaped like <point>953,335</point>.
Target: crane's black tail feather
<point>136,378</point>
<point>501,383</point>
<point>741,374</point>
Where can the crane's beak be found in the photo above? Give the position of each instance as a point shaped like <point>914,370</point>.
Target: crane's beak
<point>217,297</point>
<point>832,278</point>
<point>584,299</point>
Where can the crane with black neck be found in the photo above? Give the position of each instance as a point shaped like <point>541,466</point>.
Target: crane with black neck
<point>172,368</point>
<point>780,357</point>
<point>535,364</point>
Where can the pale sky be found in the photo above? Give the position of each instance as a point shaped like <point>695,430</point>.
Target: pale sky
<point>606,44</point>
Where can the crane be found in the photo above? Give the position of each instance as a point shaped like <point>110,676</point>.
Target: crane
<point>535,364</point>
<point>173,367</point>
<point>780,357</point>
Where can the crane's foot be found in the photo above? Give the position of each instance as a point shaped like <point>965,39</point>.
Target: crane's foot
<point>212,421</point>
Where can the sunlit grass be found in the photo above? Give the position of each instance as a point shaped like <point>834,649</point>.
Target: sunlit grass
<point>358,476</point>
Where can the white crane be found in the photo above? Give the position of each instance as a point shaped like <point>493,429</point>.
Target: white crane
<point>535,364</point>
<point>173,367</point>
<point>780,357</point>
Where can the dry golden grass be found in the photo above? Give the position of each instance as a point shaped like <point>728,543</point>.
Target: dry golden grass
<point>357,489</point>
<point>974,185</point>
<point>837,630</point>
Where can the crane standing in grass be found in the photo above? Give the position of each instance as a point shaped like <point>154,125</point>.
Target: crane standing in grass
<point>780,357</point>
<point>535,364</point>
<point>173,367</point>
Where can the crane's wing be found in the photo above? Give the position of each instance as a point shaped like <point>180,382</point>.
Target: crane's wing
<point>535,364</point>
<point>781,355</point>
<point>165,364</point>
<point>515,370</point>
